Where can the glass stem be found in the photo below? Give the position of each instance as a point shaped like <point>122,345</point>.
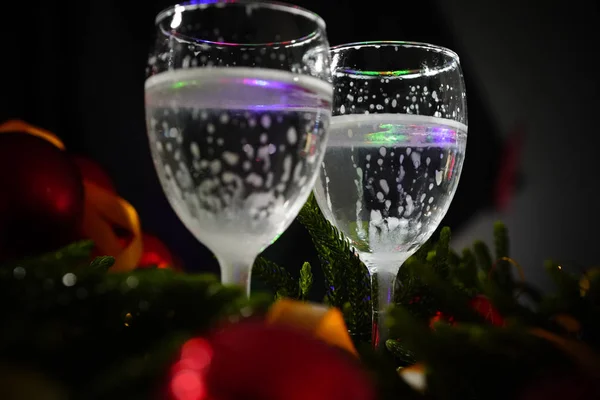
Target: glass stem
<point>236,273</point>
<point>383,282</point>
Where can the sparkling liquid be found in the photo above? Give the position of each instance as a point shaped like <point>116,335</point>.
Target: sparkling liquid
<point>387,180</point>
<point>237,149</point>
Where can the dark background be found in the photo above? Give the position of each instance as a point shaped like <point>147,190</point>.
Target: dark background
<point>78,70</point>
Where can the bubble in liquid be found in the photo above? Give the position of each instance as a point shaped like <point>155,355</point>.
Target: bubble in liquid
<point>384,186</point>
<point>249,150</point>
<point>416,159</point>
<point>254,179</point>
<point>265,121</point>
<point>287,168</point>
<point>215,166</point>
<point>292,135</point>
<point>230,157</point>
<point>401,174</point>
<point>410,207</point>
<point>438,177</point>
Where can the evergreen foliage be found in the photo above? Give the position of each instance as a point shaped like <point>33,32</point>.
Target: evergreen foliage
<point>102,335</point>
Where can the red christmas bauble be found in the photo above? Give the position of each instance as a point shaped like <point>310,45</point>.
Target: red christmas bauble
<point>252,360</point>
<point>155,253</point>
<point>93,172</point>
<point>41,205</point>
<point>484,307</point>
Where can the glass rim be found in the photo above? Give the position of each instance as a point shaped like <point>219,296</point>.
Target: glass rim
<point>397,43</point>
<point>268,4</point>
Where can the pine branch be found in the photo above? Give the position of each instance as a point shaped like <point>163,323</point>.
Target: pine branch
<point>67,259</point>
<point>483,256</point>
<point>465,274</point>
<point>60,316</point>
<point>442,252</point>
<point>346,278</point>
<point>502,274</point>
<point>306,280</point>
<point>326,240</point>
<point>404,356</point>
<point>501,241</point>
<point>276,277</point>
<point>330,247</point>
<point>102,263</point>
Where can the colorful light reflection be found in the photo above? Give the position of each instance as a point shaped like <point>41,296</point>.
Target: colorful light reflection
<point>380,73</point>
<point>400,133</point>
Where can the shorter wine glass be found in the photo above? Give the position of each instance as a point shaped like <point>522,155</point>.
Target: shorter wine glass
<point>397,143</point>
<point>238,102</point>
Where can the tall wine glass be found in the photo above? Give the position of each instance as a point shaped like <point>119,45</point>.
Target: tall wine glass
<point>238,102</point>
<point>396,148</point>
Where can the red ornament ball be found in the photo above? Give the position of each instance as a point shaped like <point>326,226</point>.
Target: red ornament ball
<point>42,196</point>
<point>92,172</point>
<point>155,253</point>
<point>484,307</point>
<point>252,360</point>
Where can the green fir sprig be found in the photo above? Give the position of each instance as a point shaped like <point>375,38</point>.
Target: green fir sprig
<point>101,335</point>
<point>347,279</point>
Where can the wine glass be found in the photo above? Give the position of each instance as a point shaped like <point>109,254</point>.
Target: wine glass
<point>238,102</point>
<point>397,143</point>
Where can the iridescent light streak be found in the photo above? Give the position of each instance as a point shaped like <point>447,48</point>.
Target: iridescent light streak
<point>441,135</point>
<point>388,135</point>
<point>394,133</point>
<point>380,73</point>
